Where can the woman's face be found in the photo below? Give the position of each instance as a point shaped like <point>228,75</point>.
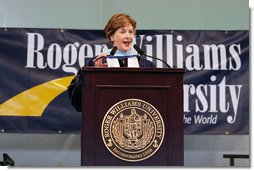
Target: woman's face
<point>123,37</point>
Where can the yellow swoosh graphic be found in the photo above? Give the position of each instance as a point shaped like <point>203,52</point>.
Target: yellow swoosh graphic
<point>33,101</point>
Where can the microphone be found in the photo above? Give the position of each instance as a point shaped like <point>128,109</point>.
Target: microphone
<point>122,62</point>
<point>141,52</point>
<point>113,51</point>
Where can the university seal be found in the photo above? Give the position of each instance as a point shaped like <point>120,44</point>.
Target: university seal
<point>132,130</point>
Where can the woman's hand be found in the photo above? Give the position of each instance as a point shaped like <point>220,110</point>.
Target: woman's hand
<point>99,61</point>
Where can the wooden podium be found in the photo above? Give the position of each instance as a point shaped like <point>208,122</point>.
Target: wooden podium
<point>132,116</point>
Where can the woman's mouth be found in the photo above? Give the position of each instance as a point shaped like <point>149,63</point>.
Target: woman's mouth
<point>127,43</point>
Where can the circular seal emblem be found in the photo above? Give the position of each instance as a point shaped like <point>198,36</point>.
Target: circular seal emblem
<point>132,130</point>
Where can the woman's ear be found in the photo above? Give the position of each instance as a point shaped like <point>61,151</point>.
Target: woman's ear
<point>111,38</point>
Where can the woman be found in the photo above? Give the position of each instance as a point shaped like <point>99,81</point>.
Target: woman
<point>120,30</point>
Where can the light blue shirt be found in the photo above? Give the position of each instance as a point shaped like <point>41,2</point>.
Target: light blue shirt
<point>121,53</point>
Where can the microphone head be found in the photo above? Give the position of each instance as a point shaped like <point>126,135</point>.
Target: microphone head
<point>138,49</point>
<point>113,51</point>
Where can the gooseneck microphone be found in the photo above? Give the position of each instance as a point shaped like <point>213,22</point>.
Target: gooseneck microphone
<point>122,62</point>
<point>113,51</point>
<point>141,52</point>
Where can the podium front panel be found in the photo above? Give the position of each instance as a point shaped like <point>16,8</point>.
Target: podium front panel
<point>141,97</point>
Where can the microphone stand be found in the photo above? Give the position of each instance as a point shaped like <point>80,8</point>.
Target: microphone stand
<point>157,59</point>
<point>141,52</point>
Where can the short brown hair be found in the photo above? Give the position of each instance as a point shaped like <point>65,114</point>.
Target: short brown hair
<point>117,21</point>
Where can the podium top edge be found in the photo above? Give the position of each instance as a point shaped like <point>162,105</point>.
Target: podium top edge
<point>116,69</point>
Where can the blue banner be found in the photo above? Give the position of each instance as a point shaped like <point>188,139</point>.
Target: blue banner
<point>38,64</point>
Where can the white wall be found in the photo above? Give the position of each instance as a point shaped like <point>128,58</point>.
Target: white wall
<point>93,14</point>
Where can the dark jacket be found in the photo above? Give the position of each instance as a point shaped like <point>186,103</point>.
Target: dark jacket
<point>75,87</point>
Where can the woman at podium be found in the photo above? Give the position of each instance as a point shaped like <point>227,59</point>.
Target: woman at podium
<point>120,31</point>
